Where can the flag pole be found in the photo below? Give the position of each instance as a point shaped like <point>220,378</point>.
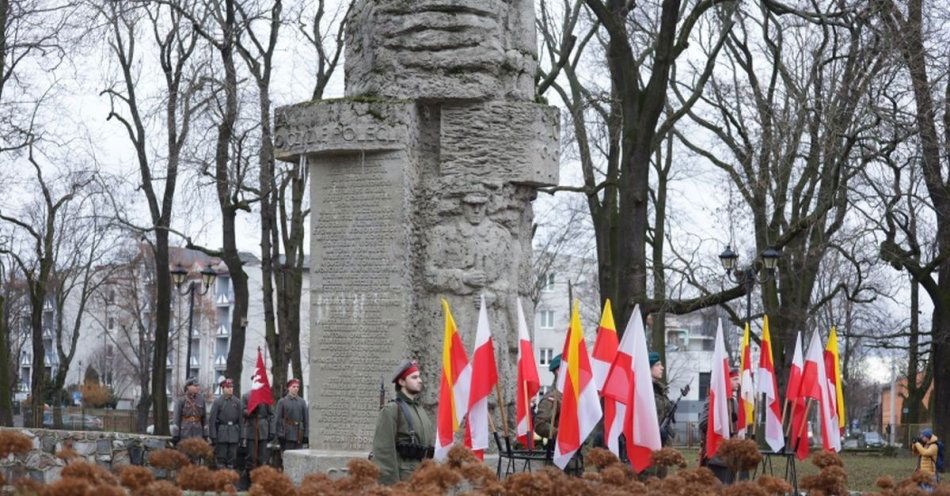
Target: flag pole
<point>529,437</point>
<point>502,408</point>
<point>788,430</point>
<point>798,437</point>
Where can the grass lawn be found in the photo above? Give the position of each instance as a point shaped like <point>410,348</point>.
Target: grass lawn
<point>862,469</point>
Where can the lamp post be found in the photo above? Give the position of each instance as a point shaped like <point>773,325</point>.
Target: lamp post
<point>749,276</point>
<point>179,274</point>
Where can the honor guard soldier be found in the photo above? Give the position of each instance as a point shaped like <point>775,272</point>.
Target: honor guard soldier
<point>404,434</point>
<point>190,413</point>
<point>292,429</point>
<point>224,426</point>
<point>258,431</point>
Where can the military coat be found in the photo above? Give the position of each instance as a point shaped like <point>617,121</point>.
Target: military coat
<point>224,423</point>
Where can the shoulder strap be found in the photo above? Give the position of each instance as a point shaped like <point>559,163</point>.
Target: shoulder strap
<point>405,413</point>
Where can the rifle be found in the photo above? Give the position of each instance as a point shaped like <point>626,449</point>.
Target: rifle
<point>382,392</point>
<point>666,429</point>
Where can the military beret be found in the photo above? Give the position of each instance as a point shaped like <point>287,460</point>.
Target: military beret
<point>191,381</point>
<point>654,357</point>
<point>475,198</point>
<point>733,372</point>
<point>227,383</point>
<point>555,363</point>
<point>292,382</point>
<point>405,368</point>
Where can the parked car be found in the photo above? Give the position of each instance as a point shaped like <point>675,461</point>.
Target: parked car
<point>75,422</point>
<point>874,440</point>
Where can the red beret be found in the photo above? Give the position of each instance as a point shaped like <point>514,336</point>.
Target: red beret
<point>227,383</point>
<point>292,382</point>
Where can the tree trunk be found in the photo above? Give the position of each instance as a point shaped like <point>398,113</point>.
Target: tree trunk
<point>162,330</point>
<point>6,398</point>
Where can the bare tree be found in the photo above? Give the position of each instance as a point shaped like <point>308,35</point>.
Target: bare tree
<point>158,175</point>
<point>906,27</point>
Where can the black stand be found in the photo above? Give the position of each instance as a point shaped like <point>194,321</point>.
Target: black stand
<point>791,473</point>
<point>515,460</point>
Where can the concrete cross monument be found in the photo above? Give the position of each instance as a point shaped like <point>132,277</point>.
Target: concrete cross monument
<point>422,181</point>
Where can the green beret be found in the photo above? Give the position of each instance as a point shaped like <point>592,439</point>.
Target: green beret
<point>654,357</point>
<point>555,363</point>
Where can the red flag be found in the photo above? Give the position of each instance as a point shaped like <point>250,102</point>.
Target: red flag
<point>529,382</point>
<point>827,416</point>
<point>260,386</point>
<point>605,347</point>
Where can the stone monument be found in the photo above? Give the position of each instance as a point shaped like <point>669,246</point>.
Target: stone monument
<point>422,179</point>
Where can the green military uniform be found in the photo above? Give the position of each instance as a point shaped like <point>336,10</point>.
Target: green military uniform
<point>545,420</point>
<point>190,415</point>
<point>404,434</point>
<point>291,421</point>
<point>663,404</point>
<point>224,428</point>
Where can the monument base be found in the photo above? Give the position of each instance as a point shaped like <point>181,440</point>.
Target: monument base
<point>299,463</point>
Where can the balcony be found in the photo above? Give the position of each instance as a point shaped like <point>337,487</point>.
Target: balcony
<point>26,360</point>
<point>220,361</point>
<point>194,361</point>
<point>222,331</point>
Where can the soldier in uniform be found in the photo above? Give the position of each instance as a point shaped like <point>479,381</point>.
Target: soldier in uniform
<point>660,394</point>
<point>258,431</point>
<point>291,418</point>
<point>545,419</point>
<point>224,426</point>
<point>190,413</point>
<point>404,434</point>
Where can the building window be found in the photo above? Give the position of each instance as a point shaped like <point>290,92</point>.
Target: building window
<point>547,282</point>
<point>545,355</point>
<point>704,378</point>
<point>111,323</point>
<point>546,319</point>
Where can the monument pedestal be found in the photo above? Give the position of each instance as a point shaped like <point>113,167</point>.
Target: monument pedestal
<point>299,463</point>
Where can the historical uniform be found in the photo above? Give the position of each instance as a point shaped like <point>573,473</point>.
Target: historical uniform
<point>257,432</point>
<point>404,433</point>
<point>291,421</point>
<point>224,426</point>
<point>190,414</point>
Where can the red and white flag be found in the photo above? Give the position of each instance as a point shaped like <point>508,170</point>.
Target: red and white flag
<point>793,394</point>
<point>529,382</point>
<point>768,386</point>
<point>630,386</point>
<point>260,386</point>
<point>580,404</point>
<point>484,376</point>
<point>720,392</point>
<point>815,386</point>
<point>605,348</point>
<point>454,385</point>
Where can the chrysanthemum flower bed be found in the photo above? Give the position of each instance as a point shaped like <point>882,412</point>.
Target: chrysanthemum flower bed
<point>461,474</point>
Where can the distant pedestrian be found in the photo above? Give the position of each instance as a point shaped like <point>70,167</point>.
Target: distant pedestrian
<point>224,426</point>
<point>190,413</point>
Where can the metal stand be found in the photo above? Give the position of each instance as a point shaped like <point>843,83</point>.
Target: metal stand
<point>791,473</point>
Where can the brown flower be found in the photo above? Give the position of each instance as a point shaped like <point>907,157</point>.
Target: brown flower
<point>134,478</point>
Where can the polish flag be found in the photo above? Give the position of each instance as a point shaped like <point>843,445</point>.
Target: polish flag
<point>815,386</point>
<point>629,386</point>
<point>605,348</point>
<point>720,391</point>
<point>746,387</point>
<point>454,386</point>
<point>529,382</point>
<point>580,406</point>
<point>793,394</point>
<point>769,387</point>
<point>484,376</point>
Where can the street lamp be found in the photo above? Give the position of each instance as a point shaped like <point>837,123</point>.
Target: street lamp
<point>749,276</point>
<point>179,274</point>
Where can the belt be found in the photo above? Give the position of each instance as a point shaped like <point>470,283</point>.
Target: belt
<point>227,423</point>
<point>191,418</point>
<point>292,422</point>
